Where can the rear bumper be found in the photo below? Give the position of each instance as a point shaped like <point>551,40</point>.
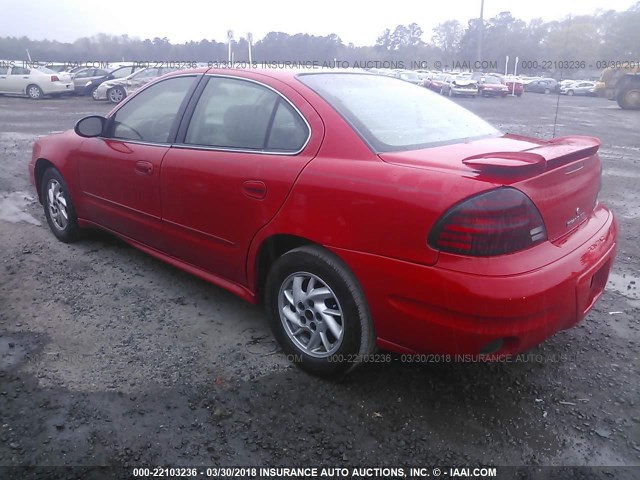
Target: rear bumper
<point>438,309</point>
<point>463,91</point>
<point>495,93</point>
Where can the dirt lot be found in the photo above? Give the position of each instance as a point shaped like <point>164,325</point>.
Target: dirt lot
<point>109,357</point>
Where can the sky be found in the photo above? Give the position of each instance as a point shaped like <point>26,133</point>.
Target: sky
<point>354,21</point>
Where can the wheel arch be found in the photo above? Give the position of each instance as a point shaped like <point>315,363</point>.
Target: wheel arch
<point>42,164</point>
<point>270,249</point>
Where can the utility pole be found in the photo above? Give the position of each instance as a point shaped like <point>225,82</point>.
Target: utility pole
<point>229,38</point>
<point>480,31</point>
<point>250,41</point>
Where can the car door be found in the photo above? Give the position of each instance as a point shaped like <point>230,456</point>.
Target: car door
<point>119,173</point>
<point>234,163</point>
<point>18,79</point>
<point>81,78</point>
<point>4,73</point>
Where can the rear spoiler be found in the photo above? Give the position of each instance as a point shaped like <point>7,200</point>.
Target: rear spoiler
<point>554,153</point>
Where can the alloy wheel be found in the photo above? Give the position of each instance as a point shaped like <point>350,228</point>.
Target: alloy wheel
<point>311,314</point>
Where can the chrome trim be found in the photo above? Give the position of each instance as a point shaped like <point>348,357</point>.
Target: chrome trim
<point>137,142</point>
<point>189,146</point>
<point>240,150</point>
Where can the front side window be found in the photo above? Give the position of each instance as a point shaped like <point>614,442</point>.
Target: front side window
<point>394,116</point>
<point>239,114</point>
<point>149,116</point>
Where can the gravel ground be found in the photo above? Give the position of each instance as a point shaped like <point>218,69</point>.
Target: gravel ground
<point>110,357</point>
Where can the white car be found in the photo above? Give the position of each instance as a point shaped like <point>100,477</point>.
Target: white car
<point>34,82</point>
<point>579,88</point>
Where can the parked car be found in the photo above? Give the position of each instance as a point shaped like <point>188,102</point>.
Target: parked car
<point>435,82</point>
<point>84,78</point>
<point>544,85</point>
<point>34,82</point>
<point>409,76</point>
<point>579,88</point>
<point>564,83</point>
<point>117,73</point>
<point>455,85</point>
<point>490,86</point>
<point>515,86</point>
<point>360,210</point>
<point>118,89</point>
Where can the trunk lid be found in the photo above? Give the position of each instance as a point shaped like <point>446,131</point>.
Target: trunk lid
<point>560,176</point>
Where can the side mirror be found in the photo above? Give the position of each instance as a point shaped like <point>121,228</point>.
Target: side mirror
<point>91,126</point>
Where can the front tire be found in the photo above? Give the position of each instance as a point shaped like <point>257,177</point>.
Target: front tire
<point>318,313</point>
<point>58,207</point>
<point>116,94</point>
<point>35,92</point>
<point>570,93</point>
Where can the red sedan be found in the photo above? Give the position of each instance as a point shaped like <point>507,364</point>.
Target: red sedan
<point>435,83</point>
<point>363,211</point>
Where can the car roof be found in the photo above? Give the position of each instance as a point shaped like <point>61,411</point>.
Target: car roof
<point>286,75</point>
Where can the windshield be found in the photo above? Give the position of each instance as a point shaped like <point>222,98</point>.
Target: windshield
<point>45,70</point>
<point>393,115</point>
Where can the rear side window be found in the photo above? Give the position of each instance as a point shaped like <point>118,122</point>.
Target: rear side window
<point>122,72</point>
<point>20,71</point>
<point>243,115</point>
<point>150,115</point>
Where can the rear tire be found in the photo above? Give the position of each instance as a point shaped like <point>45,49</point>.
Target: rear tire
<point>629,99</point>
<point>317,312</point>
<point>58,207</point>
<point>35,92</point>
<point>547,91</point>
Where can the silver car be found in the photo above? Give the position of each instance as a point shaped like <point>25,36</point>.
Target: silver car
<point>21,79</point>
<point>579,88</point>
<point>456,85</point>
<point>118,89</point>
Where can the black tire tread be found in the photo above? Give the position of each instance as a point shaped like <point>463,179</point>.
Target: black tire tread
<point>367,344</point>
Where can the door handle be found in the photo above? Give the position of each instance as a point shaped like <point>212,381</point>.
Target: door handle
<point>254,189</point>
<point>26,77</point>
<point>144,168</point>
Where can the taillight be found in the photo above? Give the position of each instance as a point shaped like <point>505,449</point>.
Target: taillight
<point>54,78</point>
<point>501,221</point>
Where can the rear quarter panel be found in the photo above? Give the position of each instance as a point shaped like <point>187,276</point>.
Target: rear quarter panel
<point>348,198</point>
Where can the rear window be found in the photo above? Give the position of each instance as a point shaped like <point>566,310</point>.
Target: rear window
<point>392,115</point>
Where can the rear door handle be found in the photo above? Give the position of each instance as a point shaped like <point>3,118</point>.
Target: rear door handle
<point>254,189</point>
<point>144,168</point>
